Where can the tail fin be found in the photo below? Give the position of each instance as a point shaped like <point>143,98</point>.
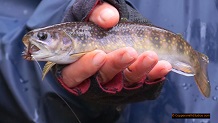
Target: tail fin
<point>201,76</point>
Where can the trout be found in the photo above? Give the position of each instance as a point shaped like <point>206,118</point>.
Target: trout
<point>65,43</point>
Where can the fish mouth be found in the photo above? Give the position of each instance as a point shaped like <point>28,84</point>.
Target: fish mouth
<point>35,49</point>
<point>31,48</point>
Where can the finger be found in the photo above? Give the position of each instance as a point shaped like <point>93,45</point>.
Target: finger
<point>117,61</point>
<point>105,15</point>
<point>141,67</point>
<point>82,69</point>
<point>161,69</point>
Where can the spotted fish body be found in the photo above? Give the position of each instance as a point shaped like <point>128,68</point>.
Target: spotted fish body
<point>67,42</point>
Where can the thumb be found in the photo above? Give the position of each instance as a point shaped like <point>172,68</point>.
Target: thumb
<point>105,15</point>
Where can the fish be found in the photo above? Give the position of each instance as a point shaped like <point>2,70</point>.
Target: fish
<point>65,43</point>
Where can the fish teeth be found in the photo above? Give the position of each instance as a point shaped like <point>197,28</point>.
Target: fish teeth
<point>34,48</point>
<point>32,45</point>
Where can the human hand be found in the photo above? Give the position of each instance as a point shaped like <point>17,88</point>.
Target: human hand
<point>108,65</point>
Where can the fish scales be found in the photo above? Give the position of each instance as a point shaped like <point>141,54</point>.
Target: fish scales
<point>67,42</point>
<point>140,37</point>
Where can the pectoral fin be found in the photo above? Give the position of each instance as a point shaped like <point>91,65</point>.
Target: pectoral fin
<point>76,56</point>
<point>46,68</point>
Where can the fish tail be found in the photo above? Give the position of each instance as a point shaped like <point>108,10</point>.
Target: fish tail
<point>201,76</point>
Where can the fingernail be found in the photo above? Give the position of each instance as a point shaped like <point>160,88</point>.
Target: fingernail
<point>129,56</point>
<point>106,14</point>
<point>99,58</point>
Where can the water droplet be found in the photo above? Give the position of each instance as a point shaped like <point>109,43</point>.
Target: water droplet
<point>184,84</point>
<point>186,88</point>
<point>190,85</point>
<point>214,98</point>
<point>216,88</point>
<point>23,81</point>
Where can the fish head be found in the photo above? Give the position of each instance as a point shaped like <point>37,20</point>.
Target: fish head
<point>46,44</point>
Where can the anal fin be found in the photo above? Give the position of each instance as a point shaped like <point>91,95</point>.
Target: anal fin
<point>183,68</point>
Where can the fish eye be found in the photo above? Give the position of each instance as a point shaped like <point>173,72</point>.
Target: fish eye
<point>42,35</point>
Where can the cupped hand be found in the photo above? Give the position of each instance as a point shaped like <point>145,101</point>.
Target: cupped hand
<point>134,66</point>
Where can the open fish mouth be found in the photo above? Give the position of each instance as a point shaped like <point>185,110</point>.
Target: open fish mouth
<point>30,49</point>
<point>33,48</point>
